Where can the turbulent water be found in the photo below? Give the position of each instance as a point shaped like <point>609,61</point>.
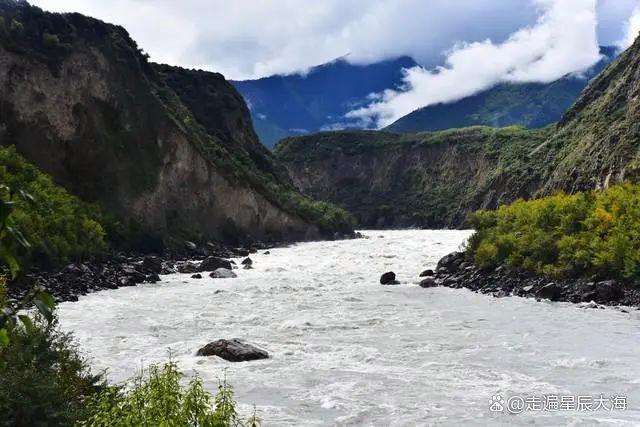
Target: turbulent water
<point>347,351</point>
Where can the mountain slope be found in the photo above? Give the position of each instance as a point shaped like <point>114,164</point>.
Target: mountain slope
<point>435,179</point>
<point>533,105</point>
<point>79,100</point>
<point>414,180</point>
<point>297,104</point>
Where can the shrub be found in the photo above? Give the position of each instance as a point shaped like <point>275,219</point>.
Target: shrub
<point>596,233</point>
<point>157,398</point>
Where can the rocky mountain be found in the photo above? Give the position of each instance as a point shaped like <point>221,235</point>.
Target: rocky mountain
<point>435,179</point>
<point>290,105</point>
<point>165,151</point>
<point>533,105</point>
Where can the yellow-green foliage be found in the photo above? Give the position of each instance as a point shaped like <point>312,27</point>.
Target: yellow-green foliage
<point>595,233</point>
<point>56,224</point>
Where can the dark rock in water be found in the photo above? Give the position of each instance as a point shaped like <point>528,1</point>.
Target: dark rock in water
<point>197,276</point>
<point>152,278</point>
<point>152,264</point>
<point>609,290</point>
<point>267,253</point>
<point>388,278</point>
<point>427,273</point>
<point>134,275</point>
<point>247,267</point>
<point>451,261</point>
<point>187,267</point>
<point>550,291</point>
<point>223,273</point>
<point>234,350</point>
<point>213,263</point>
<point>428,282</point>
<point>247,261</point>
<point>242,252</point>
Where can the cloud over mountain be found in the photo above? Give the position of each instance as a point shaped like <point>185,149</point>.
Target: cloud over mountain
<point>254,38</point>
<point>562,41</point>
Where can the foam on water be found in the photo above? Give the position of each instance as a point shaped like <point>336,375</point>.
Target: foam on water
<point>348,351</point>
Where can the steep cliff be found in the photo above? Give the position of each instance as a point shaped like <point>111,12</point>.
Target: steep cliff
<point>82,102</point>
<point>435,179</point>
<point>425,180</point>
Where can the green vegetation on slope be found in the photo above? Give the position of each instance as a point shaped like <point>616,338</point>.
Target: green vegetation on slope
<point>588,233</point>
<point>426,180</point>
<point>57,225</point>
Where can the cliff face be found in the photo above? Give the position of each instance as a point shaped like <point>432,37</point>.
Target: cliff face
<point>435,179</point>
<point>424,180</point>
<point>78,99</point>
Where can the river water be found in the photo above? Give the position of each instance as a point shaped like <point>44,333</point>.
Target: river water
<point>347,351</point>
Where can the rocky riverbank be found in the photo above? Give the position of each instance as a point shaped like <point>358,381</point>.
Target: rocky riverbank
<point>130,269</point>
<point>454,271</point>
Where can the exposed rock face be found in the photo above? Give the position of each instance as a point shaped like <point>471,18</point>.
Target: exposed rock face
<point>94,114</point>
<point>233,350</point>
<point>426,180</point>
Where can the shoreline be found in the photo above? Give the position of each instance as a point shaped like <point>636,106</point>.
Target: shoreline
<point>454,271</point>
<point>122,269</point>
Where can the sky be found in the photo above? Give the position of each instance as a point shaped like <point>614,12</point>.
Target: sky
<point>463,45</point>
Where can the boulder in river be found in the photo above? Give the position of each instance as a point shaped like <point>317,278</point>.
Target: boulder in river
<point>451,261</point>
<point>223,273</point>
<point>609,290</point>
<point>197,276</point>
<point>213,263</point>
<point>388,278</point>
<point>428,282</point>
<point>427,273</point>
<point>152,264</point>
<point>247,261</point>
<point>550,291</point>
<point>233,350</point>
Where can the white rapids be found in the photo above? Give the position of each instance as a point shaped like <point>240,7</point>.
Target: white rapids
<point>347,351</point>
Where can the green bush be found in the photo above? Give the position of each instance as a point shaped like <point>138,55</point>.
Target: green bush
<point>57,225</point>
<point>157,398</point>
<point>592,233</point>
<point>44,380</point>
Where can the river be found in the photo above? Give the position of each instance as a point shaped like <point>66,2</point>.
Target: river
<point>347,351</point>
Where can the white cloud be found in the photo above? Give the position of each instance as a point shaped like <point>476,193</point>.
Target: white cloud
<point>632,28</point>
<point>562,41</point>
<point>253,38</point>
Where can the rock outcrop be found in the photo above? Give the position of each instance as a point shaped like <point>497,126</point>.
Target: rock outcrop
<point>169,153</point>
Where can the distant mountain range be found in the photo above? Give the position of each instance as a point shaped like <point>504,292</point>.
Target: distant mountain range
<point>294,105</point>
<point>532,105</point>
<point>290,105</point>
